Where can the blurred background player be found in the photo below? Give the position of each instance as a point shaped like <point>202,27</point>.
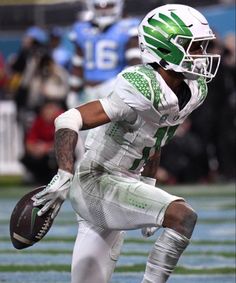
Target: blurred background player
<point>104,45</point>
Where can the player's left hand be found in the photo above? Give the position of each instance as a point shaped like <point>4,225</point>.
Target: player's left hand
<point>54,194</point>
<point>149,231</point>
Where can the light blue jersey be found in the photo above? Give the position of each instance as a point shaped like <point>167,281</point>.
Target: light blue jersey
<point>104,52</point>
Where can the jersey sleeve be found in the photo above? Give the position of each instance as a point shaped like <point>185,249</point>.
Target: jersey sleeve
<point>132,90</point>
<point>115,108</point>
<point>124,101</point>
<point>142,82</point>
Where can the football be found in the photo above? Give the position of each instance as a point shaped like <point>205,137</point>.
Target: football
<point>26,227</point>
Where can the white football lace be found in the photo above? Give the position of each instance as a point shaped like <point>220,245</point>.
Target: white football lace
<point>44,228</point>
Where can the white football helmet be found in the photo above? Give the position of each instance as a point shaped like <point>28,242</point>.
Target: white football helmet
<point>176,37</point>
<point>105,12</point>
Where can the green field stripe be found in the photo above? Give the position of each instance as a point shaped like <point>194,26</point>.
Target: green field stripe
<point>216,190</point>
<point>119,269</point>
<point>35,252</point>
<point>46,239</point>
<point>11,183</point>
<point>218,270</point>
<point>209,253</point>
<point>229,206</point>
<point>58,223</point>
<point>194,253</point>
<point>200,221</point>
<point>179,270</point>
<point>126,254</point>
<point>34,268</point>
<point>213,243</point>
<point>132,241</point>
<point>193,242</point>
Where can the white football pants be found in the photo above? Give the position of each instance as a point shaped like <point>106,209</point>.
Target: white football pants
<point>95,253</point>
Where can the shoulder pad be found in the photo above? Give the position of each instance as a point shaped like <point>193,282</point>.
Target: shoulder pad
<point>79,31</point>
<point>143,79</point>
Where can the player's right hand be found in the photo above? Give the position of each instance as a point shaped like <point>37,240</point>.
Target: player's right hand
<point>54,194</point>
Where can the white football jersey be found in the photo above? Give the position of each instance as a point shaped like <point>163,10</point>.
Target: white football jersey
<point>144,115</point>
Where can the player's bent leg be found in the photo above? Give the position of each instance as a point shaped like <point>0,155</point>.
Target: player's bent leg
<point>179,221</point>
<point>127,203</point>
<point>95,254</point>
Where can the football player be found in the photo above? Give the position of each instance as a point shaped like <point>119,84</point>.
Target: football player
<point>113,187</point>
<point>103,47</point>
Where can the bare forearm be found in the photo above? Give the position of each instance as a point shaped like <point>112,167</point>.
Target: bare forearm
<point>68,125</point>
<point>65,143</point>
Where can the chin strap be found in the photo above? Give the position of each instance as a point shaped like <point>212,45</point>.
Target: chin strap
<point>164,256</point>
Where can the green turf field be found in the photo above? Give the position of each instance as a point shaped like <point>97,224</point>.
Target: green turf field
<point>209,258</point>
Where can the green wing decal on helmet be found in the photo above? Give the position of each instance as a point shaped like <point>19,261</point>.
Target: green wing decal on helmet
<point>176,24</point>
<point>159,33</point>
<point>144,80</point>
